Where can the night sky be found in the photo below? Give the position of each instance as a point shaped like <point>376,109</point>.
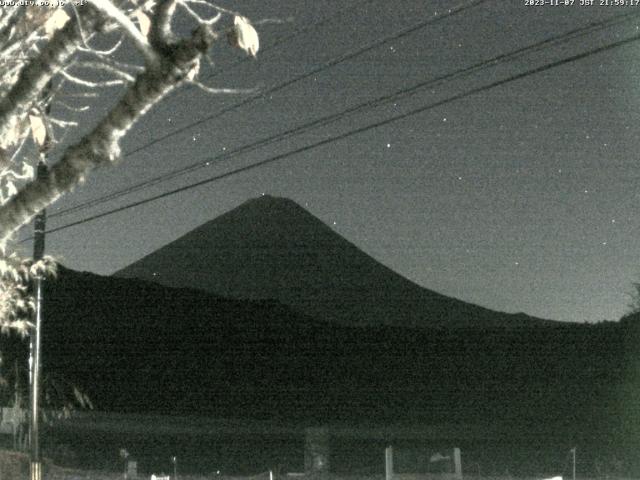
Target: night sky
<point>522,197</point>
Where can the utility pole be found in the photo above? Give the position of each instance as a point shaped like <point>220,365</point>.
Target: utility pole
<point>35,361</point>
<point>174,460</point>
<point>573,451</point>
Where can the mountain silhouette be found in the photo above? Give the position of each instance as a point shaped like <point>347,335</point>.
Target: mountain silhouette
<point>272,248</point>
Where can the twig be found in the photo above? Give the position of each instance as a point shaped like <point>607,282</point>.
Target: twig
<point>90,84</point>
<point>128,27</point>
<point>213,90</point>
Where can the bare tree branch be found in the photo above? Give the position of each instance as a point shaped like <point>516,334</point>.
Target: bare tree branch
<point>101,53</point>
<point>213,90</point>
<point>101,146</point>
<point>128,27</point>
<point>89,83</point>
<point>160,34</point>
<point>35,76</point>
<point>71,108</point>
<point>197,17</point>
<point>38,68</point>
<point>106,67</point>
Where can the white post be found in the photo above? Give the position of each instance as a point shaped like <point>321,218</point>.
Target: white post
<point>388,463</point>
<point>457,463</point>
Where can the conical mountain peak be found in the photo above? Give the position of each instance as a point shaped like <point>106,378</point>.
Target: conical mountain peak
<point>266,201</point>
<point>272,248</point>
<point>269,206</point>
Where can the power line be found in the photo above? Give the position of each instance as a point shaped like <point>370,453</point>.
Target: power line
<point>326,65</point>
<point>356,131</point>
<point>279,41</point>
<point>323,121</point>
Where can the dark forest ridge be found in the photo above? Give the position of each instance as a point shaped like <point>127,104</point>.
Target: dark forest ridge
<point>137,346</point>
<point>272,248</point>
